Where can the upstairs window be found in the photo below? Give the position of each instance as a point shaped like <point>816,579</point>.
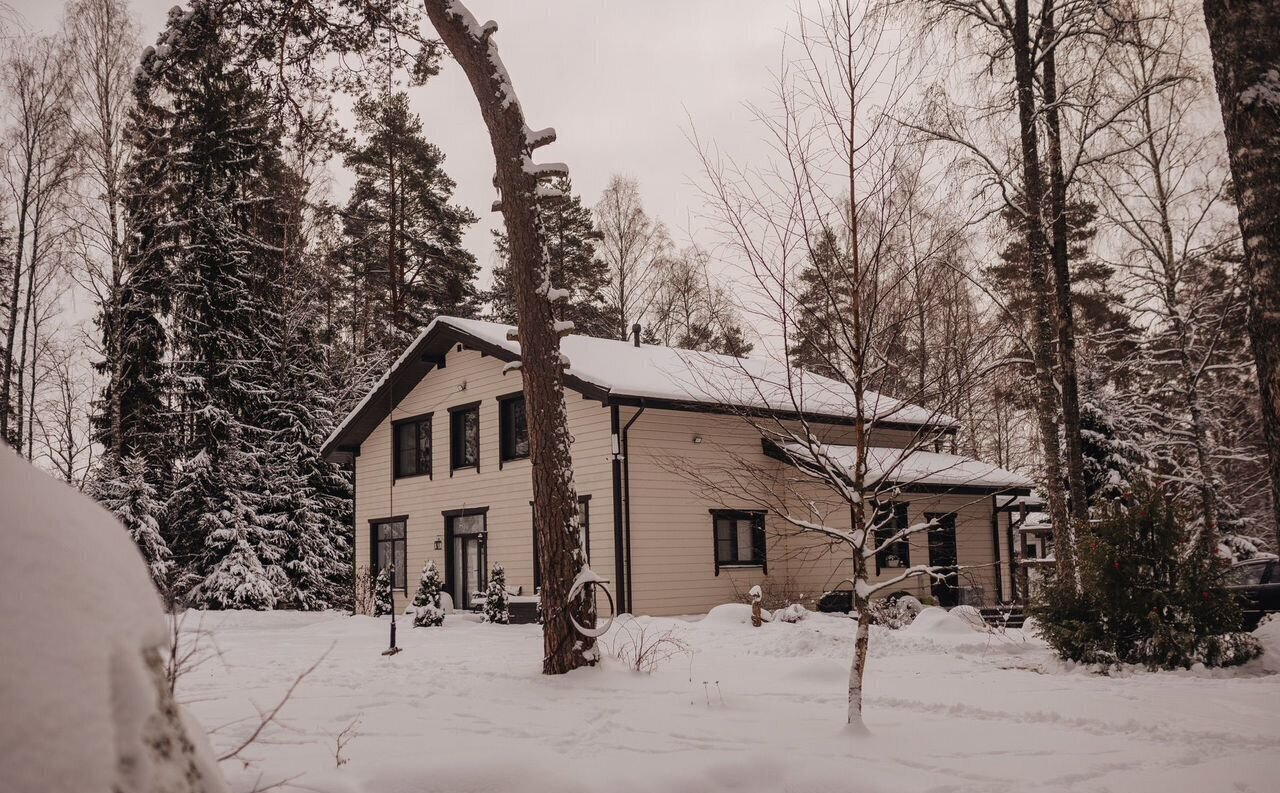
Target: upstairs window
<point>889,520</point>
<point>739,538</point>
<point>412,439</point>
<point>513,428</point>
<point>464,437</point>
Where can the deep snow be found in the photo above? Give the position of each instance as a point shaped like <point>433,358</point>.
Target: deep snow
<point>464,708</point>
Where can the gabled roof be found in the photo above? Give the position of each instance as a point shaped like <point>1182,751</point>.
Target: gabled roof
<point>618,372</point>
<point>912,470</point>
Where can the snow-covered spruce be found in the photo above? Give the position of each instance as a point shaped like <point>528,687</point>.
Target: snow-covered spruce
<point>496,601</point>
<point>125,492</point>
<point>382,591</point>
<point>427,609</point>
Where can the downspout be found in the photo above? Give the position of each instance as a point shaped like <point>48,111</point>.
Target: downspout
<point>995,549</point>
<point>619,569</point>
<point>626,484</point>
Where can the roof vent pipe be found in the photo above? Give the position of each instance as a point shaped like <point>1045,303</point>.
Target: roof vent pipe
<point>635,334</point>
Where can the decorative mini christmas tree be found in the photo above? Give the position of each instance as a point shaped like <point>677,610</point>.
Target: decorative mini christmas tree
<point>495,597</point>
<point>382,592</point>
<point>428,612</point>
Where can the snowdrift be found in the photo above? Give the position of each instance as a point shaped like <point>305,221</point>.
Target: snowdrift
<point>86,705</point>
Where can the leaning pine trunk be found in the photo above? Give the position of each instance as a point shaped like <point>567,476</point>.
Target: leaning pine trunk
<point>555,502</point>
<point>1244,36</point>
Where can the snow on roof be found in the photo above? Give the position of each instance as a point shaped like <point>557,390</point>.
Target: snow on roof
<point>653,371</point>
<point>660,372</point>
<point>78,613</point>
<point>907,467</point>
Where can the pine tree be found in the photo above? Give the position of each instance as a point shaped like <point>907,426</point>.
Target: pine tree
<point>404,237</point>
<point>818,309</point>
<point>382,591</point>
<point>571,239</point>
<point>495,597</point>
<point>428,611</point>
<point>123,490</point>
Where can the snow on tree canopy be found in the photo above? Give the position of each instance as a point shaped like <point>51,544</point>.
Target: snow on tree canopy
<point>85,704</point>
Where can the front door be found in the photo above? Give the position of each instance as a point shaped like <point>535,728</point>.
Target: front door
<point>942,553</point>
<point>466,560</point>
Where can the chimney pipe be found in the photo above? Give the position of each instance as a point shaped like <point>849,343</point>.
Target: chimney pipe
<point>635,334</point>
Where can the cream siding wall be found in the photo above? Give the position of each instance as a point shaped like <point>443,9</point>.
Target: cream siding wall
<point>506,491</point>
<point>676,482</point>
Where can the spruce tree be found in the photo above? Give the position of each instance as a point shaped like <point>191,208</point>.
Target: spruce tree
<point>428,611</point>
<point>123,490</point>
<point>311,497</point>
<point>496,608</point>
<point>819,308</point>
<point>382,592</point>
<point>404,237</point>
<point>223,185</point>
<point>571,239</point>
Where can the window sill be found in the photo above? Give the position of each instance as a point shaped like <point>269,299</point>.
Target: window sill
<point>427,474</point>
<point>507,460</point>
<point>475,467</point>
<point>738,565</point>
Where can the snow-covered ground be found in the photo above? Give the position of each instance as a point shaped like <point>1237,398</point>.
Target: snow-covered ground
<point>464,708</point>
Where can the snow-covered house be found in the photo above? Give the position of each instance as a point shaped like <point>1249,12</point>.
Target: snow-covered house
<point>441,455</point>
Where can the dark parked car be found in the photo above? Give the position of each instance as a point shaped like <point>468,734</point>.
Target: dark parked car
<point>1256,585</point>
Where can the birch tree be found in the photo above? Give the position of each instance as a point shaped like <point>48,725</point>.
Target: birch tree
<point>832,193</point>
<point>634,246</point>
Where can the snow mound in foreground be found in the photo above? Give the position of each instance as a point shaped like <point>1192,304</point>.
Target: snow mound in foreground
<point>86,706</point>
<point>1268,634</point>
<point>935,621</point>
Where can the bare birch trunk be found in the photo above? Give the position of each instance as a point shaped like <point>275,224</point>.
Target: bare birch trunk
<point>1037,272</point>
<point>1065,317</point>
<point>555,501</point>
<point>1244,36</point>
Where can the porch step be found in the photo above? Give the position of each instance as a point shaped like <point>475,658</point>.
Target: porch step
<point>1007,616</point>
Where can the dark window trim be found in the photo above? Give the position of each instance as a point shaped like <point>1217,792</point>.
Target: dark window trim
<point>395,445</point>
<point>736,515</point>
<point>373,548</point>
<point>503,445</point>
<point>465,407</point>
<point>901,521</point>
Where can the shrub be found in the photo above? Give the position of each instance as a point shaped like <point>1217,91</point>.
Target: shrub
<point>382,592</point>
<point>427,611</point>
<point>894,612</point>
<point>641,650</point>
<point>1149,595</point>
<point>495,597</point>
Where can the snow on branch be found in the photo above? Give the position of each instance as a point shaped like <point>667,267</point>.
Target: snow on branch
<point>545,169</point>
<point>536,138</point>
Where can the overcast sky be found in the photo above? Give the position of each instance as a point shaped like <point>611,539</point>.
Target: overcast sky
<point>620,80</point>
